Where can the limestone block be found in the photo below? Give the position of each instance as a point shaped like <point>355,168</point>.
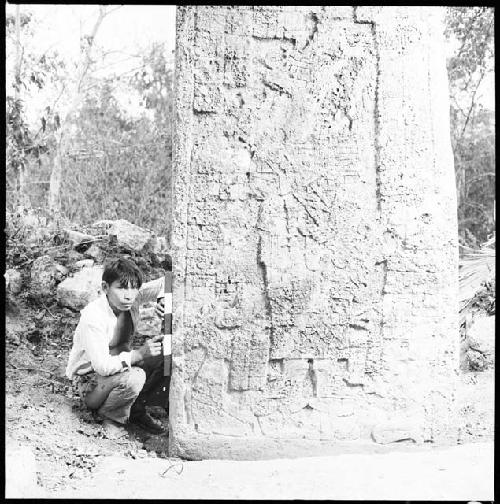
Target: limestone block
<point>129,235</point>
<point>103,226</point>
<point>62,270</point>
<point>13,281</point>
<point>44,275</point>
<point>95,252</point>
<point>84,286</point>
<point>76,238</point>
<point>84,263</point>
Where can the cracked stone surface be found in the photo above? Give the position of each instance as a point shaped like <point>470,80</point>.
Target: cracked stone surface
<point>314,229</point>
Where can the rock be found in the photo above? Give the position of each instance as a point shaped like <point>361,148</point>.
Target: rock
<point>95,252</point>
<point>20,472</point>
<point>84,263</point>
<point>76,238</point>
<point>44,275</point>
<point>72,256</point>
<point>475,361</point>
<point>13,281</point>
<point>129,235</point>
<point>84,286</point>
<point>13,338</point>
<point>62,271</point>
<point>103,226</point>
<point>481,339</point>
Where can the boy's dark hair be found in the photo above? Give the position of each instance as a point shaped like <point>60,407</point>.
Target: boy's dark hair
<point>123,270</point>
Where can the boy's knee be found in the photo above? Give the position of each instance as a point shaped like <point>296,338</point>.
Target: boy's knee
<point>136,377</point>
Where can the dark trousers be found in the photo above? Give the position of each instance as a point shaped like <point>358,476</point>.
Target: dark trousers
<point>156,387</point>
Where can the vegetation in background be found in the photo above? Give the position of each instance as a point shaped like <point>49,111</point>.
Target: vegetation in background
<point>472,125</point>
<point>87,158</point>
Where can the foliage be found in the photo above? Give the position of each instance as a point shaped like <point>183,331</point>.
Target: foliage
<point>117,164</point>
<point>472,125</point>
<point>154,82</point>
<point>477,269</point>
<point>27,143</point>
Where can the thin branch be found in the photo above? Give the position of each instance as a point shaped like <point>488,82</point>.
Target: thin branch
<point>113,10</point>
<point>483,73</point>
<point>114,63</point>
<point>480,176</point>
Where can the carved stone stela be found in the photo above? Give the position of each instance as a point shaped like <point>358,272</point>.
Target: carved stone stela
<point>314,229</point>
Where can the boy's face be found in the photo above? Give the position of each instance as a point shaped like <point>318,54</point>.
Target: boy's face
<point>120,297</point>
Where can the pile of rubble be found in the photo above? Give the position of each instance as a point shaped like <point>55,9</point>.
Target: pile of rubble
<point>477,330</point>
<point>53,263</point>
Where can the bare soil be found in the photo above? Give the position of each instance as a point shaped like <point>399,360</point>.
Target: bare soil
<point>41,411</point>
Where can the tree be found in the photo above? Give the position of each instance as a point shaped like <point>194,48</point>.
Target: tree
<point>472,125</point>
<point>28,73</point>
<point>153,80</point>
<point>76,93</point>
<point>119,162</point>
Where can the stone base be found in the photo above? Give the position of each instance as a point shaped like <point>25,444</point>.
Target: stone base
<point>203,447</point>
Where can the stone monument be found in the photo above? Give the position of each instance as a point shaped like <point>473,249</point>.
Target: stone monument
<point>314,231</point>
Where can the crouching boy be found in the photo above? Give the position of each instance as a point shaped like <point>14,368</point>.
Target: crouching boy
<point>108,375</point>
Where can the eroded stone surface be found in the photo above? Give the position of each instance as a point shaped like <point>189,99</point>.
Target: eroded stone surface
<point>13,280</point>
<point>314,233</point>
<point>84,286</point>
<point>44,275</point>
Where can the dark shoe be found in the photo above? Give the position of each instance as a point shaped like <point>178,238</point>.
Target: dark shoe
<point>147,423</point>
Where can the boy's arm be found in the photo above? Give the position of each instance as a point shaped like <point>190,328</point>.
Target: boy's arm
<point>95,344</point>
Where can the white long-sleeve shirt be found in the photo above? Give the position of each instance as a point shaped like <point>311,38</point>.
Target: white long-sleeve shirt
<point>95,334</point>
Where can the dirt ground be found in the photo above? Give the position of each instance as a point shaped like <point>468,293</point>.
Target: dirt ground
<point>42,414</point>
<point>73,458</point>
<point>462,473</point>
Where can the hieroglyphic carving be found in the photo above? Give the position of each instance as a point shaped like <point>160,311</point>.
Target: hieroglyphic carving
<point>302,155</point>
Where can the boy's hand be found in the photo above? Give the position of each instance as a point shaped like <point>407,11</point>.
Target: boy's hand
<point>160,308</point>
<point>152,347</point>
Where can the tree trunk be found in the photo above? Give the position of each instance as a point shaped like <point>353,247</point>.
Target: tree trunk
<point>21,181</point>
<point>57,172</point>
<point>56,177</point>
